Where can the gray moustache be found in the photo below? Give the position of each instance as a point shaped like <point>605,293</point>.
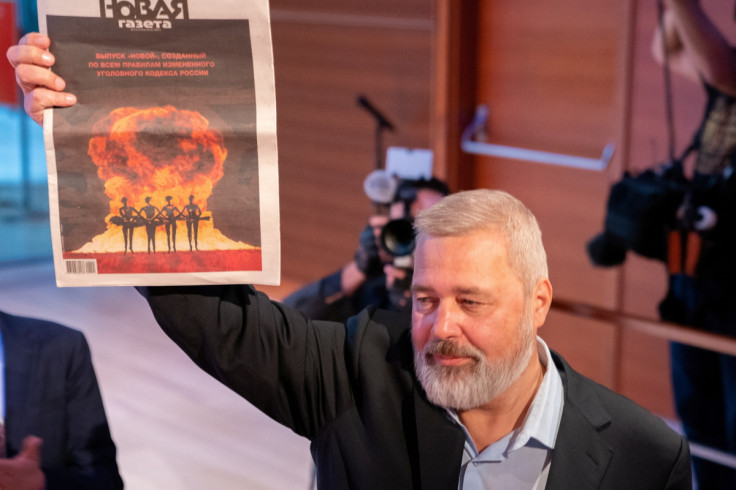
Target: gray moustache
<point>449,348</point>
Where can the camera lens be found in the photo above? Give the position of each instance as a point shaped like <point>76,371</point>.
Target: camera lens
<point>397,237</point>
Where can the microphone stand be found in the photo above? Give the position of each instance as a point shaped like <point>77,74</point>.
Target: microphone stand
<point>381,124</point>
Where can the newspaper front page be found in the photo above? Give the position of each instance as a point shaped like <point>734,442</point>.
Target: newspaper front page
<point>165,171</point>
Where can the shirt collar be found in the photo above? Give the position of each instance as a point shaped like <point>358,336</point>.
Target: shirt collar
<point>543,418</point>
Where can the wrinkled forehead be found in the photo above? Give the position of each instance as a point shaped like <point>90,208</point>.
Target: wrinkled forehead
<point>477,244</point>
<point>475,261</point>
<point>484,246</point>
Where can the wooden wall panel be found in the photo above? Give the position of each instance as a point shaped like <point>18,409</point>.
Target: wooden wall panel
<point>589,346</point>
<point>454,86</point>
<point>386,9</point>
<point>644,376</point>
<point>549,72</point>
<point>323,62</point>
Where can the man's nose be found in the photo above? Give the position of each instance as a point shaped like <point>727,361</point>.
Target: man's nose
<point>445,324</point>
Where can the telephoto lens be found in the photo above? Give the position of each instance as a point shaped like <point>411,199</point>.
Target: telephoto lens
<point>397,237</point>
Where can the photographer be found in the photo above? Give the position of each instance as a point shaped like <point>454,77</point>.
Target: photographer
<point>704,381</point>
<point>371,278</point>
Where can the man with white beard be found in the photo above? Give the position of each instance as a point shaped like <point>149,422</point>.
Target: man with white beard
<point>485,404</point>
<point>493,406</point>
<point>488,406</point>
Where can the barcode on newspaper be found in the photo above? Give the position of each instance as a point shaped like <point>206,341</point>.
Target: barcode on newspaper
<point>81,266</point>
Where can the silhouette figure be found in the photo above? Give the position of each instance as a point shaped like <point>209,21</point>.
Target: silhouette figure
<point>149,213</point>
<point>191,214</point>
<point>129,215</point>
<point>169,213</point>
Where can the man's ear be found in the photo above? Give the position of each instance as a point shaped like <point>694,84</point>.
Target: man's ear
<point>541,301</point>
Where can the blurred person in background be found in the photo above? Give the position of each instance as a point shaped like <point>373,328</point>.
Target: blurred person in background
<point>56,435</point>
<point>371,278</point>
<point>704,382</point>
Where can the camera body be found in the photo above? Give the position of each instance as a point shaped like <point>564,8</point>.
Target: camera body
<point>386,191</point>
<point>641,210</point>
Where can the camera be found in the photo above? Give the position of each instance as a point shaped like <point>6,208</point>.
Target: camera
<point>385,190</point>
<point>397,236</point>
<point>641,210</point>
<point>404,183</point>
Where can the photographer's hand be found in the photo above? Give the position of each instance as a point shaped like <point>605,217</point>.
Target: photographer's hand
<point>23,472</point>
<point>367,261</point>
<point>398,286</point>
<point>367,257</point>
<point>696,48</point>
<point>42,88</point>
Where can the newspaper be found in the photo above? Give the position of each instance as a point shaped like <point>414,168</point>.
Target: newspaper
<point>165,171</point>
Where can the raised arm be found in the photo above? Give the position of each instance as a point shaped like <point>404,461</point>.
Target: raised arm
<point>42,88</point>
<point>290,368</point>
<point>695,46</point>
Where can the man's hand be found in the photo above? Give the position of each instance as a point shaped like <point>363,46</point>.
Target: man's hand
<point>23,472</point>
<point>41,87</point>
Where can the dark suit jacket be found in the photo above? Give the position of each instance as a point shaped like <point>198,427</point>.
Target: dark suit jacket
<point>351,390</point>
<point>52,392</point>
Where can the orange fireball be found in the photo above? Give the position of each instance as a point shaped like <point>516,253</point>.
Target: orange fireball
<point>155,153</point>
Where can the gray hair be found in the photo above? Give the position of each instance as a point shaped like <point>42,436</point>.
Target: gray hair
<point>482,209</point>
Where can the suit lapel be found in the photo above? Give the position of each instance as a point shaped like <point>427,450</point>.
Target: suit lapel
<point>440,445</point>
<point>581,456</point>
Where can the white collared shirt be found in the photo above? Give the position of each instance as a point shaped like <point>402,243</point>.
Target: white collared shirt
<point>521,459</point>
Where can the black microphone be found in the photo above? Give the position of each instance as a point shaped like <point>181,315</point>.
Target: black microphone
<point>382,121</point>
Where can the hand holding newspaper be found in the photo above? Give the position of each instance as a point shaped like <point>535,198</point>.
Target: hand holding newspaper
<point>165,170</point>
